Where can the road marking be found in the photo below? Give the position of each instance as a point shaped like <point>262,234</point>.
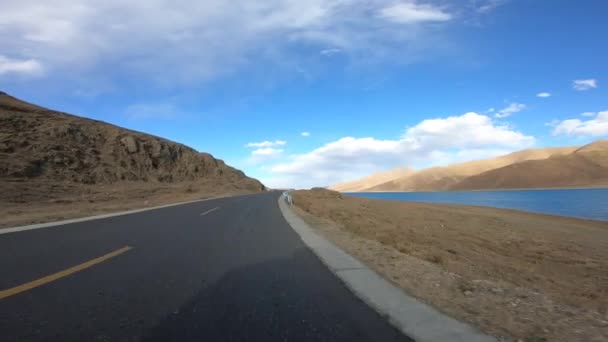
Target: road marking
<point>33,284</point>
<point>210,211</point>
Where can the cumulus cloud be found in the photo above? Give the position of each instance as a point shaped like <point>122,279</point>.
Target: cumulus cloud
<point>411,12</point>
<point>544,94</point>
<point>265,151</point>
<point>305,134</point>
<point>265,154</point>
<point>589,114</point>
<point>19,66</point>
<point>430,142</point>
<point>595,127</point>
<point>266,143</point>
<point>510,110</point>
<point>583,85</point>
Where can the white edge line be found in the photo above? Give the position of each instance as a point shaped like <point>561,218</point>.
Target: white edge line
<point>209,211</point>
<point>98,217</point>
<point>412,317</point>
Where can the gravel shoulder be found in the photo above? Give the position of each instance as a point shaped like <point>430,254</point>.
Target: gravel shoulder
<point>513,274</point>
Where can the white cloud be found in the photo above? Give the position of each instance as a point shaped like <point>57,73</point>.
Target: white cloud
<point>588,114</point>
<point>161,40</point>
<point>266,143</point>
<point>430,142</point>
<point>19,66</point>
<point>544,94</point>
<point>582,85</point>
<point>267,151</point>
<point>305,134</point>
<point>510,110</point>
<point>264,154</point>
<point>489,5</point>
<point>330,52</point>
<point>411,12</point>
<point>595,127</point>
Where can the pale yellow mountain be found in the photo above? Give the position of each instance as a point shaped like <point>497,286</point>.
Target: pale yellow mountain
<point>585,167</point>
<point>372,180</point>
<point>443,178</point>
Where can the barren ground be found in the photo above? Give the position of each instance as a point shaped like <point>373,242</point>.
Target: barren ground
<point>513,274</point>
<point>32,202</point>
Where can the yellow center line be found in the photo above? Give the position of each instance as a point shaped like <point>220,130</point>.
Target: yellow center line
<point>210,211</point>
<point>33,284</point>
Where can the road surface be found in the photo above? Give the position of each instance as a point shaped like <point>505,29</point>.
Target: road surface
<point>227,269</point>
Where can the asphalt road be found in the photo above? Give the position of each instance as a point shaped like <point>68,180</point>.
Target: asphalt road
<point>221,270</point>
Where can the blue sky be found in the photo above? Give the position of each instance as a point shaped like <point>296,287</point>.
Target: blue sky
<point>376,84</point>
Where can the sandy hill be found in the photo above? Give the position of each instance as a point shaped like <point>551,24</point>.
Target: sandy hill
<point>373,180</point>
<point>48,156</point>
<point>584,167</point>
<point>443,178</point>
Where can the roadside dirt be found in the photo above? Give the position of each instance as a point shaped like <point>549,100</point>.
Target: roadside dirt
<point>513,274</point>
<point>40,202</point>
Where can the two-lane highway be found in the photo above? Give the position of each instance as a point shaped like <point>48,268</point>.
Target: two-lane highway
<point>228,269</point>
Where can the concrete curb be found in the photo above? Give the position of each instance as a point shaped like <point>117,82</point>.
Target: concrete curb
<point>412,317</point>
<point>97,217</point>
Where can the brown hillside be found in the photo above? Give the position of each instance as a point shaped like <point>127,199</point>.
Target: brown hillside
<point>48,157</point>
<point>586,167</point>
<point>596,151</point>
<point>373,180</point>
<point>443,178</point>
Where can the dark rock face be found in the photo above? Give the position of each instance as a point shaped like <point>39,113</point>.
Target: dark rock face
<point>40,143</point>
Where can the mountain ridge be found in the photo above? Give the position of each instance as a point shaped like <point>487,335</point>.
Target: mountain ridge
<point>581,168</point>
<point>463,176</point>
<point>51,148</point>
<point>372,180</point>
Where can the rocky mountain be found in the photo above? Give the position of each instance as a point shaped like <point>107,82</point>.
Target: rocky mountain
<point>42,146</point>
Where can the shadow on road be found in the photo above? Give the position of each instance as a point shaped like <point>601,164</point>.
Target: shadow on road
<point>275,301</point>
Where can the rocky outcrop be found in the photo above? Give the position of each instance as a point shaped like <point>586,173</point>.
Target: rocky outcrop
<point>37,143</point>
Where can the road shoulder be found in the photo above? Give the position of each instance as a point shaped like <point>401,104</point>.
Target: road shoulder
<point>414,318</point>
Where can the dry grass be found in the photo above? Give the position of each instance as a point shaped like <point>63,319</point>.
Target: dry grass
<point>39,202</point>
<point>513,274</point>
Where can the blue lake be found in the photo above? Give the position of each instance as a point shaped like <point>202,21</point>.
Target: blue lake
<point>584,203</point>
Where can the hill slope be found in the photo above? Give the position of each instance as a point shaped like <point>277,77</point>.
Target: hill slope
<point>443,178</point>
<point>586,167</point>
<point>372,180</point>
<point>48,156</point>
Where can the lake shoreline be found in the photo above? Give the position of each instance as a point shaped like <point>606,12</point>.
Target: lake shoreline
<point>480,190</point>
<point>590,204</point>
